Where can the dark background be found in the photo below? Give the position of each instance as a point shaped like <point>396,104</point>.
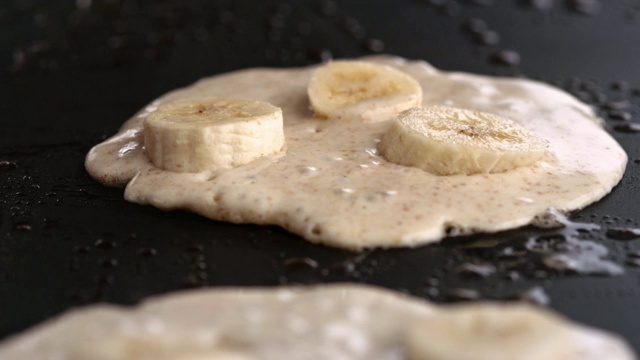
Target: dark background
<point>72,71</point>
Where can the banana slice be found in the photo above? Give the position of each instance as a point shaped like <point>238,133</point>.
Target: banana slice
<point>505,332</point>
<point>359,89</point>
<point>192,135</point>
<point>448,141</point>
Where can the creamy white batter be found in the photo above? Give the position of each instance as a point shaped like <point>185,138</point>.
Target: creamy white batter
<point>330,322</point>
<point>331,186</point>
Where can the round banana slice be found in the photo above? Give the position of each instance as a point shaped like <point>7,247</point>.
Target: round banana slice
<point>360,89</point>
<point>449,141</point>
<point>491,332</point>
<point>193,135</point>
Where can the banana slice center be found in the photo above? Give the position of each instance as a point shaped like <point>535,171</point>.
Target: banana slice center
<point>450,141</point>
<point>195,135</point>
<point>362,90</point>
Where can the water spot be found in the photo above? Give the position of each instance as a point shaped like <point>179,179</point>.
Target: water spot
<point>619,115</point>
<point>513,276</point>
<point>108,263</point>
<point>104,279</point>
<point>83,4</point>
<point>147,251</point>
<point>627,128</point>
<point>82,249</point>
<point>21,227</point>
<point>6,165</point>
<point>328,8</point>
<point>476,270</point>
<point>617,105</point>
<point>585,7</point>
<point>105,244</point>
<point>539,4</point>
<point>300,262</point>
<point>564,250</point>
<point>482,2</point>
<point>462,294</point>
<point>535,295</point>
<point>623,233</point>
<point>505,58</point>
<point>620,85</point>
<point>353,27</point>
<point>487,37</point>
<point>583,257</point>
<point>374,45</point>
<point>195,248</point>
<point>633,262</point>
<point>474,25</point>
<point>196,279</point>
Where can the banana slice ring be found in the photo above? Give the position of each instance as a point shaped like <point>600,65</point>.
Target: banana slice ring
<point>193,135</point>
<point>450,141</point>
<point>362,90</point>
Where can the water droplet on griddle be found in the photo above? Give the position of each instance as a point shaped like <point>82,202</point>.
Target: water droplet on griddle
<point>450,8</point>
<point>586,7</point>
<point>108,263</point>
<point>195,248</point>
<point>21,227</point>
<point>619,115</point>
<point>583,257</point>
<point>627,128</point>
<point>300,262</point>
<point>374,45</point>
<point>539,4</point>
<point>617,105</point>
<point>476,270</point>
<point>104,279</point>
<point>506,58</point>
<point>6,165</point>
<point>623,233</point>
<point>462,294</point>
<point>535,295</point>
<point>513,276</point>
<point>620,85</point>
<point>105,244</point>
<point>633,262</point>
<point>482,2</point>
<point>82,249</point>
<point>353,27</point>
<point>51,223</point>
<point>487,37</point>
<point>328,7</point>
<point>474,25</point>
<point>146,251</point>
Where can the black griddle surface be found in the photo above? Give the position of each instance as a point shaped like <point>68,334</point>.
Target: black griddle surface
<point>71,74</point>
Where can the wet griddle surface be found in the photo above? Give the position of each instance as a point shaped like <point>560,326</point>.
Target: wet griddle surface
<point>72,71</point>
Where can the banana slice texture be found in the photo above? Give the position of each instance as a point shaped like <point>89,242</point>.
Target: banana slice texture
<point>362,90</point>
<point>194,135</point>
<point>450,141</point>
<point>507,332</point>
